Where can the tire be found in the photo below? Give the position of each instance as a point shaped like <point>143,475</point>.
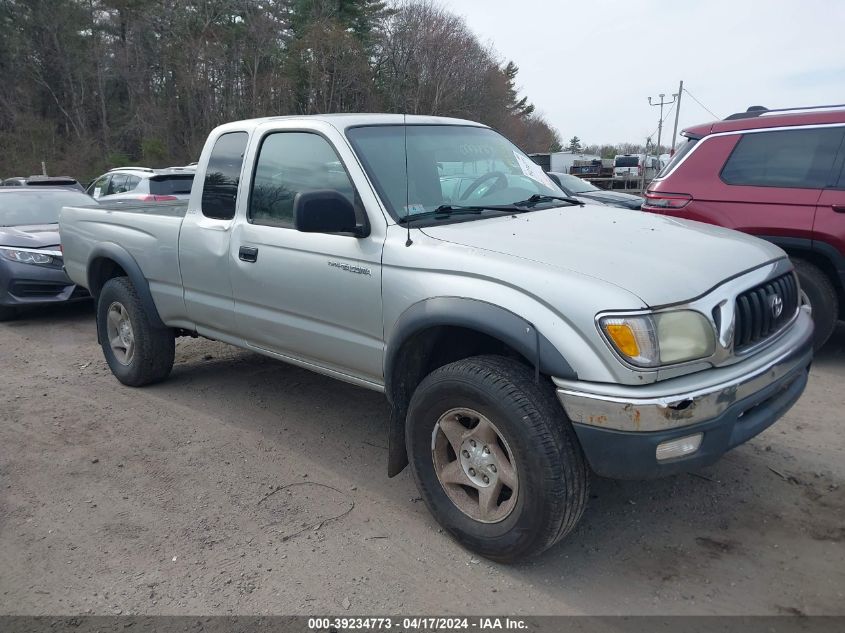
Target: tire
<point>150,358</point>
<point>551,479</point>
<point>821,295</point>
<point>7,313</point>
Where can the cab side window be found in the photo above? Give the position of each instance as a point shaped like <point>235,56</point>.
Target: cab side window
<point>289,163</point>
<point>117,184</point>
<point>99,187</point>
<point>222,175</point>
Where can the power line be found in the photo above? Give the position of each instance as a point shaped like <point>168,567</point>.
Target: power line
<point>692,96</point>
<point>669,111</point>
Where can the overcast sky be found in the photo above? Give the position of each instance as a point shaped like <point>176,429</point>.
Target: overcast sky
<point>586,66</point>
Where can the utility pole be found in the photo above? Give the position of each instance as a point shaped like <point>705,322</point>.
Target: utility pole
<point>677,115</point>
<point>660,123</point>
<point>645,168</point>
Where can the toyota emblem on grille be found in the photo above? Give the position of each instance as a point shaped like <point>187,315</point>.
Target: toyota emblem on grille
<point>776,304</point>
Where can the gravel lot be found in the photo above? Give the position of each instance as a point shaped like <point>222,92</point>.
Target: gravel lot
<point>161,501</point>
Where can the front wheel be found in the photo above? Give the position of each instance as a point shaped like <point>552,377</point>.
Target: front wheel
<point>137,352</point>
<point>819,293</point>
<point>495,458</point>
<point>7,313</point>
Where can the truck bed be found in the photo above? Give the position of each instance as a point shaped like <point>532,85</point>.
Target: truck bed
<point>147,231</point>
<point>176,208</point>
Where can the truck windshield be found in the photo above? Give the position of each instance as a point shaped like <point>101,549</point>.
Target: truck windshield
<point>27,206</point>
<point>447,165</point>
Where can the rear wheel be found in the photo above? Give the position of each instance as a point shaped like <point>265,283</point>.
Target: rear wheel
<point>495,458</point>
<point>137,353</point>
<point>820,294</point>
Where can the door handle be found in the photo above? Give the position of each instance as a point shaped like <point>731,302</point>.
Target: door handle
<point>248,254</point>
<point>839,208</point>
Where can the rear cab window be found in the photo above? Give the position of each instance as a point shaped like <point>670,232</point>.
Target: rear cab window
<point>796,158</point>
<point>627,161</point>
<point>99,186</point>
<point>117,184</point>
<point>222,175</point>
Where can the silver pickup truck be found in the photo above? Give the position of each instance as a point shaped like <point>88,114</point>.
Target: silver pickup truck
<point>522,339</point>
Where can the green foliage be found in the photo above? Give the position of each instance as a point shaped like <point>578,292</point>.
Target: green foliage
<point>574,145</point>
<point>154,151</point>
<point>110,160</point>
<point>360,17</point>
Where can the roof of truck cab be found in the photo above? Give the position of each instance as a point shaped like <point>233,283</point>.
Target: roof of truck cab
<point>345,121</point>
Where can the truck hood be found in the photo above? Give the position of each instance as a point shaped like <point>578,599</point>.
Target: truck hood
<point>661,260</point>
<point>34,236</point>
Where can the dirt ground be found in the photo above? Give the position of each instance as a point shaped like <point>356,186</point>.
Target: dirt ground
<point>158,501</point>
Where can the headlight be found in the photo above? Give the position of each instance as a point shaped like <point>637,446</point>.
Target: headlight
<point>665,338</point>
<point>25,256</point>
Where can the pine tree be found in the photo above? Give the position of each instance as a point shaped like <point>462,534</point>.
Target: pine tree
<point>518,107</point>
<point>361,17</point>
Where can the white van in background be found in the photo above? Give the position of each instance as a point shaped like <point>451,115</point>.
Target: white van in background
<point>629,167</point>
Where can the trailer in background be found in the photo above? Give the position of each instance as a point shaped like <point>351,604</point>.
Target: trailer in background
<point>561,161</point>
<point>595,169</point>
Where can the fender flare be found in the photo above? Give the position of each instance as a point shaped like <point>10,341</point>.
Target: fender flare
<point>500,323</point>
<point>120,256</point>
<point>820,248</point>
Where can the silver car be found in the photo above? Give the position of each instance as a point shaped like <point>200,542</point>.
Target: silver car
<point>143,184</point>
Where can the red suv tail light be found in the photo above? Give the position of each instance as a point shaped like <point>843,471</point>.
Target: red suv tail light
<point>657,201</point>
<point>154,198</point>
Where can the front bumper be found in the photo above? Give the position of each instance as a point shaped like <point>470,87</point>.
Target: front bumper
<point>27,284</point>
<point>620,428</point>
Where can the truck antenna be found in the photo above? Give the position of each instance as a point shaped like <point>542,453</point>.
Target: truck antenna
<point>408,241</point>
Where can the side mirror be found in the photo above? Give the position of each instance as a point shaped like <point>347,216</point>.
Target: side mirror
<point>324,211</point>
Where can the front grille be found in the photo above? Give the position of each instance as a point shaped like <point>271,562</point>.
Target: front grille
<point>756,315</point>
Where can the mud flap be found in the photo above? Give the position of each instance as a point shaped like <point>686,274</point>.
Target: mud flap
<point>397,455</point>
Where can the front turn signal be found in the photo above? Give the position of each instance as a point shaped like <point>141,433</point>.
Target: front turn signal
<point>623,337</point>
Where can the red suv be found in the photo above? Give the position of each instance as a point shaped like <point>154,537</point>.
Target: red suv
<point>777,174</point>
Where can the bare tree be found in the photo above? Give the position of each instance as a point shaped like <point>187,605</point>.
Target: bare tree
<point>92,84</point>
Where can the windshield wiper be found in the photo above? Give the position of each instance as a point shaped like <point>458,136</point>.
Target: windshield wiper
<point>538,198</point>
<point>445,211</point>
